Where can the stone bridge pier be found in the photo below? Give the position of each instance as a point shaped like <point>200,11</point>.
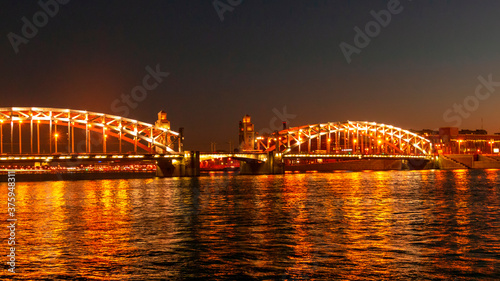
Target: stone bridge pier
<point>273,165</point>
<point>187,166</point>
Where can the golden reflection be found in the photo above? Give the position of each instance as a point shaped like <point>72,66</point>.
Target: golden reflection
<point>463,212</point>
<point>441,179</point>
<point>369,217</point>
<point>59,220</point>
<point>123,197</point>
<point>296,198</point>
<point>105,223</point>
<point>492,175</point>
<point>392,224</point>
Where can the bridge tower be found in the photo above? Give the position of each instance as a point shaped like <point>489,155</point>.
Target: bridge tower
<point>163,122</point>
<point>247,134</point>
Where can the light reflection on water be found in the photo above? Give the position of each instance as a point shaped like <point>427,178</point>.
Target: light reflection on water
<point>366,225</point>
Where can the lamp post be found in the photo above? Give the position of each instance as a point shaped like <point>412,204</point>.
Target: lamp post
<point>38,136</point>
<point>491,146</point>
<point>459,142</point>
<point>104,129</point>
<point>104,144</point>
<point>1,136</point>
<point>20,137</point>
<point>56,136</point>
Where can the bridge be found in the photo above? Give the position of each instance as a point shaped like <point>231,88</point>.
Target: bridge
<point>350,140</point>
<point>350,137</point>
<point>33,134</point>
<point>68,135</point>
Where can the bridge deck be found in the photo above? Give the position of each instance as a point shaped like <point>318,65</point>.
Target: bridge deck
<point>357,156</point>
<point>89,157</point>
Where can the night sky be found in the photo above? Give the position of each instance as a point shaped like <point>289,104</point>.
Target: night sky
<point>262,57</point>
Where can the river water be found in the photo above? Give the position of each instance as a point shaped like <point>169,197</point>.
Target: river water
<point>390,225</point>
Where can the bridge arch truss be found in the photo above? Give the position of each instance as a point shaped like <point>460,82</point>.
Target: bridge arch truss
<point>61,124</point>
<point>351,137</point>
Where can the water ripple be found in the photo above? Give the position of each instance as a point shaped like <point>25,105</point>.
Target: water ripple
<point>356,226</point>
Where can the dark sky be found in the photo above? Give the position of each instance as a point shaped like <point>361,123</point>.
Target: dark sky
<point>264,55</point>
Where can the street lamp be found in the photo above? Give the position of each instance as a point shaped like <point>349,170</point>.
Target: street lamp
<point>1,136</point>
<point>56,136</point>
<point>491,145</point>
<point>104,143</point>
<point>459,142</point>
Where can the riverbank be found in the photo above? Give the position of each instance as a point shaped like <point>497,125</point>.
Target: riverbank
<point>442,162</point>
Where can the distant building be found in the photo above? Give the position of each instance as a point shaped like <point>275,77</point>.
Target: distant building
<point>425,132</point>
<point>451,140</point>
<point>470,132</point>
<point>246,134</point>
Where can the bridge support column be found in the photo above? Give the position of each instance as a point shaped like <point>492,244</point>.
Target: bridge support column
<point>273,165</point>
<point>188,166</point>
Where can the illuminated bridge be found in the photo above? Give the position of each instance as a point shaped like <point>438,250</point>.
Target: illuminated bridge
<point>55,134</point>
<point>32,134</point>
<point>347,139</point>
<point>350,140</point>
<point>52,130</point>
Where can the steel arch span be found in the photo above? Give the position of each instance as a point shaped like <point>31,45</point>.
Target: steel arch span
<point>350,137</point>
<point>28,120</point>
